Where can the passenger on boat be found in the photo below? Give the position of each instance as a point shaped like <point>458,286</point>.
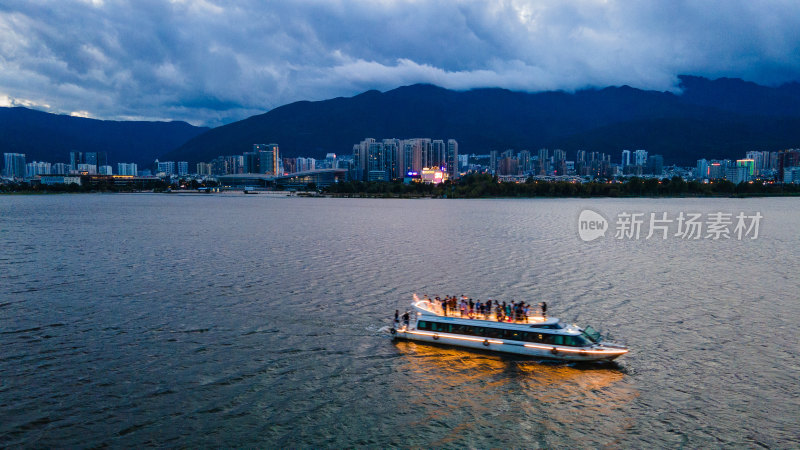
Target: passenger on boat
<point>405,319</point>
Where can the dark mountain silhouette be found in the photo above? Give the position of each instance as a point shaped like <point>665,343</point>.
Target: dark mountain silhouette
<point>50,137</point>
<point>709,118</point>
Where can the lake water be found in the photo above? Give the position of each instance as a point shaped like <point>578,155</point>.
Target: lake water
<point>254,321</point>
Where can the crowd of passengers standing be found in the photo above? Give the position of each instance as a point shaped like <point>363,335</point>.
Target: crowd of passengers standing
<point>517,312</point>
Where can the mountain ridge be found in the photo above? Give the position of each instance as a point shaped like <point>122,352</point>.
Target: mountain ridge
<point>44,136</point>
<point>595,119</point>
<point>720,118</point>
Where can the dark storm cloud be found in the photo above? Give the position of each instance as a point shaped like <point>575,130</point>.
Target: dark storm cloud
<point>212,62</point>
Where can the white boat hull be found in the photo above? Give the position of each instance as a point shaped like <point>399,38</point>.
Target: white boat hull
<point>538,351</point>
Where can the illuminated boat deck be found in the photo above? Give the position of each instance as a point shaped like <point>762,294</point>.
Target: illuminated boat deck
<point>427,311</point>
<point>426,307</point>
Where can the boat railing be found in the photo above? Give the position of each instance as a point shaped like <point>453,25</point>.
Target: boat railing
<point>535,314</point>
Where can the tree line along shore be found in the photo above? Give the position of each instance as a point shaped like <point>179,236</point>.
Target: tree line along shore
<point>473,186</point>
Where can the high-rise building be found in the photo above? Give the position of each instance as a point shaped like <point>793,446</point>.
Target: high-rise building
<point>330,160</point>
<point>417,155</point>
<point>438,152</point>
<point>453,170</point>
<point>105,170</point>
<point>305,164</point>
<point>736,174</point>
<point>250,162</point>
<point>127,169</point>
<point>60,169</point>
<point>76,158</point>
<point>544,162</point>
<point>655,164</point>
<point>37,168</point>
<point>203,169</point>
<point>787,159</point>
<point>640,157</point>
<point>749,164</point>
<point>376,161</point>
<point>183,167</point>
<point>626,158</point>
<point>463,162</point>
<point>268,158</point>
<point>525,161</point>
<point>508,166</point>
<point>774,158</point>
<point>407,149</point>
<point>758,161</point>
<point>702,169</point>
<point>393,155</point>
<point>559,162</point>
<point>14,165</point>
<point>166,167</point>
<point>360,163</point>
<point>718,168</point>
<point>493,161</point>
<point>95,158</point>
<point>90,169</point>
<point>290,165</point>
<point>426,149</point>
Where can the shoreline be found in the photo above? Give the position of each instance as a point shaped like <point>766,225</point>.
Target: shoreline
<point>281,194</point>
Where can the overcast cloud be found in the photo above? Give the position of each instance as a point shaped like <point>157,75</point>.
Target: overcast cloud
<point>210,62</point>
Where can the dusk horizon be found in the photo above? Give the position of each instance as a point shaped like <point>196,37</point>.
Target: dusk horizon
<point>210,65</point>
<point>399,224</point>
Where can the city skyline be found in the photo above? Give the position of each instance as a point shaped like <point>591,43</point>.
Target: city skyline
<point>429,160</point>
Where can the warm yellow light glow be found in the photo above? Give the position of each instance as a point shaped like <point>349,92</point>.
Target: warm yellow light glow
<point>542,347</point>
<point>463,338</point>
<point>575,350</point>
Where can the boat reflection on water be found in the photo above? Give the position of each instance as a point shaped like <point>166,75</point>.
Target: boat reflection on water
<point>464,391</point>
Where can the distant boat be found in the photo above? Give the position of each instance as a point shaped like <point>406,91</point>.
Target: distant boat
<point>534,336</point>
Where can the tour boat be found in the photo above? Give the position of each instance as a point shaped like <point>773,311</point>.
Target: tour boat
<point>535,336</point>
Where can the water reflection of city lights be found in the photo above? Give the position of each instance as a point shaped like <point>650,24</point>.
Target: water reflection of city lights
<point>454,385</point>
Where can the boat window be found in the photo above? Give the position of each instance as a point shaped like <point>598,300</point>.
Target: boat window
<point>514,335</point>
<point>478,331</point>
<point>422,325</point>
<point>536,337</point>
<point>438,326</point>
<point>576,341</point>
<point>591,334</point>
<point>555,339</point>
<point>494,333</point>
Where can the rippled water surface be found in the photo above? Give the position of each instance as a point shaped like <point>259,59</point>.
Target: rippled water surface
<point>253,321</point>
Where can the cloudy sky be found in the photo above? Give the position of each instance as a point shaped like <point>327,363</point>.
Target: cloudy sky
<point>211,62</point>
